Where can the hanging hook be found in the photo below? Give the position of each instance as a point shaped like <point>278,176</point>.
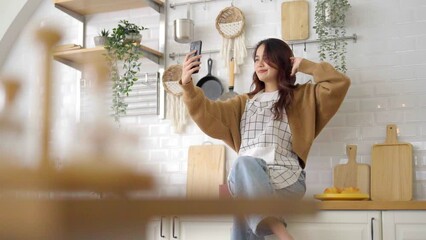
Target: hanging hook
<point>292,47</point>
<point>178,57</point>
<point>146,78</point>
<point>188,11</point>
<point>304,46</point>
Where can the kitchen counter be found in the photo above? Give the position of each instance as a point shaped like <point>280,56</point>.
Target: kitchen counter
<point>372,205</point>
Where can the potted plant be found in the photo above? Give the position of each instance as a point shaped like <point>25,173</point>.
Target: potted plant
<point>131,31</point>
<point>101,39</point>
<point>330,17</point>
<point>123,56</point>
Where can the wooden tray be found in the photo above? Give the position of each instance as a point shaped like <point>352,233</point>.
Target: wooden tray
<point>392,169</point>
<point>342,196</point>
<point>206,171</point>
<point>352,174</point>
<point>295,20</point>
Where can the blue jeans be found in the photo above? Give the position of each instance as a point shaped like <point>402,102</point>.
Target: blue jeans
<point>249,178</point>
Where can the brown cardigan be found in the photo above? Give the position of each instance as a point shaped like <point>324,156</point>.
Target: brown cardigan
<point>312,107</point>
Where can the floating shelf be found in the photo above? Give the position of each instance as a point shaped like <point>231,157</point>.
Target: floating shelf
<point>86,7</point>
<point>77,58</point>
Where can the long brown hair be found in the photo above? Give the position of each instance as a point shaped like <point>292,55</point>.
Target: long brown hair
<point>277,55</point>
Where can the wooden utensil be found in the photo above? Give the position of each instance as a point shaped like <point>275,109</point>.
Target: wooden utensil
<point>295,20</point>
<point>352,174</point>
<point>206,171</point>
<point>8,120</point>
<point>230,93</point>
<point>11,87</point>
<point>392,169</point>
<point>48,38</point>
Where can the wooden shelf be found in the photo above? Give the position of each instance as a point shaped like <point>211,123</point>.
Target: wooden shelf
<point>70,219</point>
<point>86,176</point>
<point>86,7</point>
<point>77,58</point>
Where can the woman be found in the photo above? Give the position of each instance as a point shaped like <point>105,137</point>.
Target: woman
<point>272,127</point>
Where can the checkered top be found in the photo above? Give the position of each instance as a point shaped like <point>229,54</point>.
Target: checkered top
<point>271,139</point>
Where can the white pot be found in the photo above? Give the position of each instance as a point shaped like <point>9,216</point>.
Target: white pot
<point>134,38</point>
<point>100,40</point>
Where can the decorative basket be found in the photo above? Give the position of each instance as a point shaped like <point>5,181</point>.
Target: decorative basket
<point>230,22</point>
<point>171,78</point>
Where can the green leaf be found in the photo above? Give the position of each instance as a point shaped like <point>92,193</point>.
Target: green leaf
<point>120,51</point>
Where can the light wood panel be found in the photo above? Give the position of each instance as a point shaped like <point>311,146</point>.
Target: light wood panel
<point>206,171</point>
<point>86,176</point>
<point>86,7</point>
<point>352,174</point>
<point>392,169</point>
<point>124,218</point>
<point>295,20</point>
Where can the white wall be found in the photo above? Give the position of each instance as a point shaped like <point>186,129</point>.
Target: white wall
<point>9,10</point>
<point>14,16</point>
<point>386,66</point>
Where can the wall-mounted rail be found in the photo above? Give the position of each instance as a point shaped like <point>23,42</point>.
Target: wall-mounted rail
<point>173,5</point>
<point>354,37</point>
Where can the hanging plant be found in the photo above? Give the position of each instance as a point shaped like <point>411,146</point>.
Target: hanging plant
<point>330,17</point>
<point>123,56</point>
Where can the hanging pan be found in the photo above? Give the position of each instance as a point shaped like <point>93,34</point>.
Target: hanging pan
<point>211,86</point>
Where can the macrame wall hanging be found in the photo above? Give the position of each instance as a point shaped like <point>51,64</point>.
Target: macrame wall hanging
<point>230,23</point>
<point>176,110</point>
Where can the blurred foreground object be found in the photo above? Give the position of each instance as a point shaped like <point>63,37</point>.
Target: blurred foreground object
<point>81,175</point>
<point>123,219</point>
<point>28,210</point>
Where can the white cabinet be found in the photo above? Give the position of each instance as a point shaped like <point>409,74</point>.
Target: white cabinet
<point>197,228</point>
<point>404,225</point>
<point>189,228</point>
<point>325,225</point>
<point>158,229</point>
<point>337,225</point>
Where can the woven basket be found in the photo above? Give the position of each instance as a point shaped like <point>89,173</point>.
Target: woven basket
<point>171,79</point>
<point>230,22</point>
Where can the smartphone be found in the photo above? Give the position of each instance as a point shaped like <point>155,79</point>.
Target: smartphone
<point>196,45</point>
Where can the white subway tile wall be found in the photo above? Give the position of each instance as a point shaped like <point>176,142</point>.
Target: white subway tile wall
<point>386,65</point>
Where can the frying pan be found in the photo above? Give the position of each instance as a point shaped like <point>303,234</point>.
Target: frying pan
<point>210,85</point>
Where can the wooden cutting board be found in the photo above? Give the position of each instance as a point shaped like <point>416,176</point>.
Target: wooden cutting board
<point>295,20</point>
<point>352,174</point>
<point>392,169</point>
<point>206,171</point>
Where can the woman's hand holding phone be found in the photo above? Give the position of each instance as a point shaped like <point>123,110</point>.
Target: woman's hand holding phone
<point>192,62</point>
<point>190,65</point>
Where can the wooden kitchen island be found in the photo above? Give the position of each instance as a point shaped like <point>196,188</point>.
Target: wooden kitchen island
<point>120,218</point>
